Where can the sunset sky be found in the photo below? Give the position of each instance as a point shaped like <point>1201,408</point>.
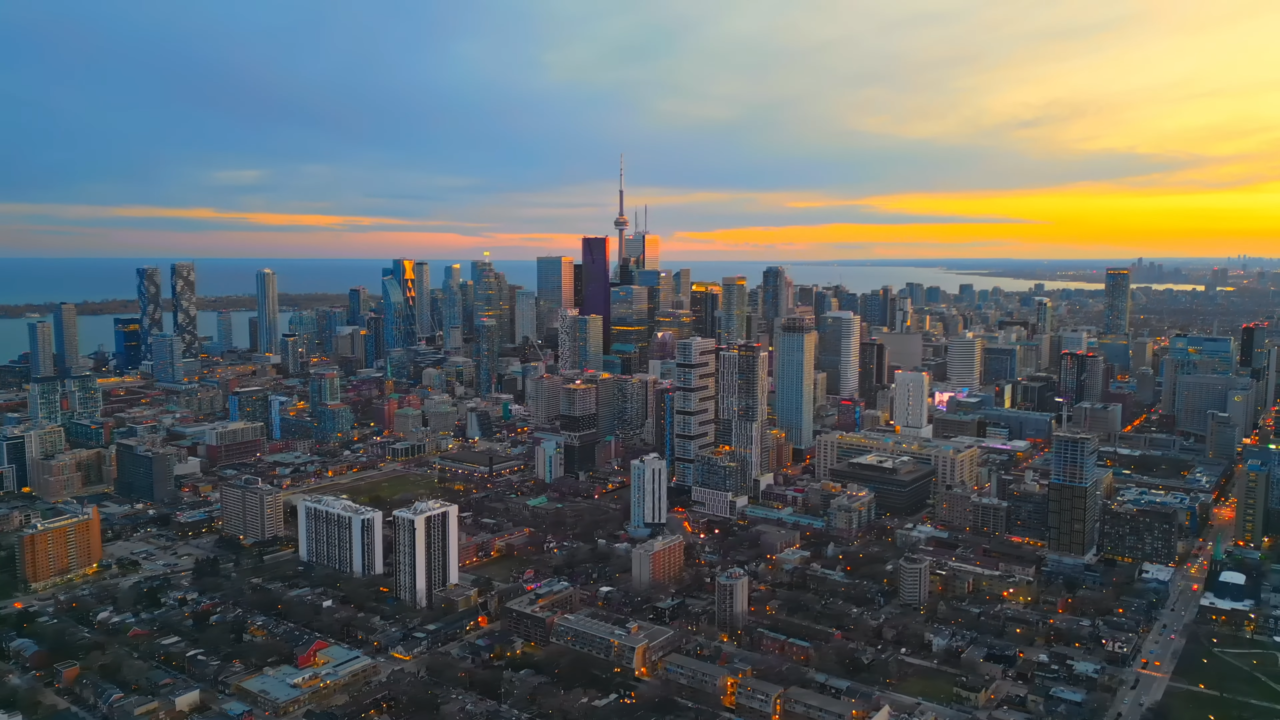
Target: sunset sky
<point>775,131</point>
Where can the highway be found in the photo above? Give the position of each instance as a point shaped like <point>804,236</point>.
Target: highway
<point>1163,645</point>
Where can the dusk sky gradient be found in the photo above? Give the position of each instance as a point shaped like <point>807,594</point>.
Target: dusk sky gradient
<point>775,131</point>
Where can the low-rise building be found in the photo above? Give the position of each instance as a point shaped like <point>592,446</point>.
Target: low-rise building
<point>286,689</point>
<point>713,679</point>
<point>532,617</point>
<point>624,642</point>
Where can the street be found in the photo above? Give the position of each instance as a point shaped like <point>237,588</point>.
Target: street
<point>1163,644</point>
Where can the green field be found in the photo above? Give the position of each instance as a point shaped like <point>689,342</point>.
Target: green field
<point>932,685</point>
<point>1189,705</point>
<point>413,485</point>
<point>1233,674</point>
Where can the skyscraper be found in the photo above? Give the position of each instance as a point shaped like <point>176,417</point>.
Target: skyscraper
<point>66,339</point>
<point>426,551</point>
<point>964,363</point>
<point>648,491</point>
<point>839,351</point>
<point>1251,510</point>
<point>1115,319</point>
<point>1253,345</point>
<point>776,300</point>
<point>526,316</point>
<point>341,535</point>
<point>486,352</point>
<point>743,402</point>
<point>166,358</point>
<point>555,291</point>
<point>225,330</point>
<point>451,309</point>
<point>1074,497</point>
<point>567,340</point>
<point>40,342</point>
<point>422,300</point>
<point>182,285</point>
<point>796,346</point>
<point>128,334</point>
<point>704,301</point>
<point>357,303</point>
<point>1081,377</point>
<point>595,280</point>
<point>268,312</point>
<point>1044,316</point>
<point>695,403</point>
<point>144,472</point>
<point>732,325</point>
<point>150,313</point>
<point>589,339</point>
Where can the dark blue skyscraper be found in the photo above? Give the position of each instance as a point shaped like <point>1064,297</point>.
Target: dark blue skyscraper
<point>128,343</point>
<point>357,303</point>
<point>595,280</point>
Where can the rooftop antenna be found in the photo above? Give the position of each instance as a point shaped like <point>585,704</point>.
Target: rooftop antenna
<point>646,218</point>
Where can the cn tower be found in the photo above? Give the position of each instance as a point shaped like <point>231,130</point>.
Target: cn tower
<point>621,223</point>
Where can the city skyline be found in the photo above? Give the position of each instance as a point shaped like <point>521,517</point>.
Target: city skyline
<point>921,137</point>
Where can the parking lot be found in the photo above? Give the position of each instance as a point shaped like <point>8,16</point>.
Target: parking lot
<point>159,551</point>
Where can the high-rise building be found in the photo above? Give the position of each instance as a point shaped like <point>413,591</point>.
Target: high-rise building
<point>1081,377</point>
<point>40,343</point>
<point>426,551</point>
<point>252,510</point>
<point>166,358</point>
<point>704,301</point>
<point>658,563</point>
<point>60,548</point>
<point>486,352</point>
<point>721,482</point>
<point>128,334</point>
<point>1251,509</point>
<point>681,283</point>
<point>796,346</point>
<point>743,402</point>
<point>182,286</point>
<point>595,281</point>
<point>733,594</point>
<point>588,338</point>
<point>66,339</point>
<point>325,387</point>
<point>225,330</point>
<point>913,581</point>
<point>422,303</point>
<point>648,491</point>
<point>357,303</point>
<point>567,341</point>
<point>555,292</point>
<point>695,404</point>
<point>964,363</point>
<point>580,425</point>
<point>1253,345</point>
<point>150,313</point>
<point>839,351</point>
<point>777,299</point>
<point>341,535</point>
<point>1115,318</point>
<point>526,316</point>
<point>732,326</point>
<point>403,272</point>
<point>1044,316</point>
<point>911,403</point>
<point>268,312</point>
<point>1074,496</point>
<point>145,473</point>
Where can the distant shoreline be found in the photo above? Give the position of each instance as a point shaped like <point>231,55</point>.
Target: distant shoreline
<point>300,301</point>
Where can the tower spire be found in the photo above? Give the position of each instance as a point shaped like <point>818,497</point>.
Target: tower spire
<point>621,184</point>
<point>621,223</point>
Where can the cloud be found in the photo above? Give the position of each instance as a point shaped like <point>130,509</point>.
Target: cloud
<point>238,177</point>
<point>91,212</point>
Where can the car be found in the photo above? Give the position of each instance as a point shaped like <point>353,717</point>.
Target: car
<point>1126,701</point>
<point>1144,663</point>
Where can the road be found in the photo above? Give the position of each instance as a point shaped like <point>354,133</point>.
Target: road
<point>1163,644</point>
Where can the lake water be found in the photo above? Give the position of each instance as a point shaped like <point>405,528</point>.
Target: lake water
<point>39,280</point>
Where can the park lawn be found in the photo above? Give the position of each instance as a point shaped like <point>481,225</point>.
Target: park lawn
<point>1199,665</point>
<point>932,685</point>
<point>1189,705</point>
<point>393,487</point>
